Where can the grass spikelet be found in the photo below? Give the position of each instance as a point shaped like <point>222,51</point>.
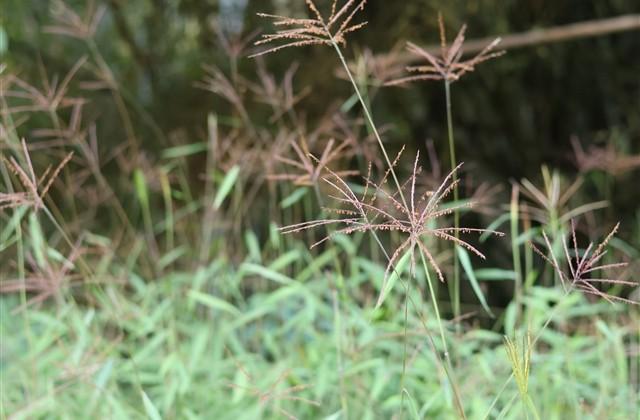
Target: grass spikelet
<point>519,356</point>
<point>449,66</point>
<point>383,211</point>
<point>581,266</point>
<point>316,31</point>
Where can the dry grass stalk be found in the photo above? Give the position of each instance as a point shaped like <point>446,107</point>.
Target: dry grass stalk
<point>311,167</point>
<point>582,267</point>
<point>449,66</point>
<point>47,280</point>
<point>383,211</point>
<point>282,97</point>
<point>315,31</point>
<point>50,98</point>
<point>603,158</point>
<point>69,23</point>
<point>36,188</point>
<point>216,82</point>
<point>234,46</point>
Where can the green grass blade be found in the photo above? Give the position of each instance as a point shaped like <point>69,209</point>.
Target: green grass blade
<point>294,197</point>
<point>225,187</point>
<point>468,269</point>
<point>149,407</point>
<point>184,150</point>
<point>213,302</point>
<point>140,183</point>
<point>37,239</point>
<point>495,274</point>
<point>387,285</point>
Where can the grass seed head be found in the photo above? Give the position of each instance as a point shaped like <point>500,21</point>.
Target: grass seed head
<point>318,30</point>
<point>379,210</point>
<point>582,265</point>
<point>449,66</point>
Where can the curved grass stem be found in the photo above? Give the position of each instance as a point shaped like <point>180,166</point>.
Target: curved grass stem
<point>368,117</point>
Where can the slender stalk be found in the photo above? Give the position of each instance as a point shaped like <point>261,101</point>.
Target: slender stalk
<point>515,249</point>
<point>168,208</point>
<point>406,343</point>
<point>448,366</point>
<point>533,408</point>
<point>454,288</point>
<point>338,332</point>
<point>434,301</point>
<point>121,107</point>
<point>368,116</point>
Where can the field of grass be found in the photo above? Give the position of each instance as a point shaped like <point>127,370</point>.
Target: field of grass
<point>295,268</point>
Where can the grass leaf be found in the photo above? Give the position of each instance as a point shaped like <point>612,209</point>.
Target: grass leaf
<point>37,239</point>
<point>294,197</point>
<point>140,183</point>
<point>393,277</point>
<point>266,273</point>
<point>226,186</point>
<point>184,150</point>
<point>495,274</point>
<point>213,302</point>
<point>150,408</point>
<point>468,269</point>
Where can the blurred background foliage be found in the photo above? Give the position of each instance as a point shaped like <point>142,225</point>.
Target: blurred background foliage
<point>511,116</point>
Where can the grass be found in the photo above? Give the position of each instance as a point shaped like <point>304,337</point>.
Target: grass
<point>147,292</point>
<point>182,346</point>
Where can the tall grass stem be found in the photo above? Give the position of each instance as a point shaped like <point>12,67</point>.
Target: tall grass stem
<point>454,288</point>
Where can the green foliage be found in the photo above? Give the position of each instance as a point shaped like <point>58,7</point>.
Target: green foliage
<point>152,352</point>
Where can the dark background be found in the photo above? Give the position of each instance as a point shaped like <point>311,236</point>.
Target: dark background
<point>511,115</point>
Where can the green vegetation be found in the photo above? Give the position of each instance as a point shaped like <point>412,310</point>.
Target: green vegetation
<point>260,259</point>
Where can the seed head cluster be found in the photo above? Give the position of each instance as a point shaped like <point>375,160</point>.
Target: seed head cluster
<point>379,210</point>
<point>581,268</point>
<point>449,66</point>
<point>315,31</point>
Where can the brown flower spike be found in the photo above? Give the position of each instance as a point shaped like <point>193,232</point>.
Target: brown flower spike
<point>449,66</point>
<point>383,211</point>
<point>317,31</point>
<point>309,168</point>
<point>582,267</point>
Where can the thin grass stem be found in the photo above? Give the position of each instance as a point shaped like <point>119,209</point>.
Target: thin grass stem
<point>454,288</point>
<point>448,366</point>
<point>368,117</point>
<point>515,249</point>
